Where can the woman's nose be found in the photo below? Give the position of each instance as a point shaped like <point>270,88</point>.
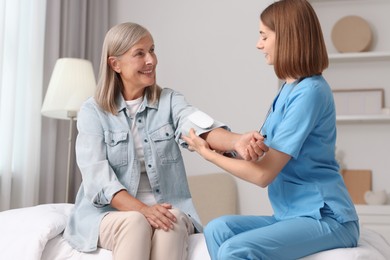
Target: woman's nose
<point>259,45</point>
<point>150,59</point>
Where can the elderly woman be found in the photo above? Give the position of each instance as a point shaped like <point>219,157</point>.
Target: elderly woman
<point>134,198</point>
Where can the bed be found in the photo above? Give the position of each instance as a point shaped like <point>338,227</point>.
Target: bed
<point>34,233</point>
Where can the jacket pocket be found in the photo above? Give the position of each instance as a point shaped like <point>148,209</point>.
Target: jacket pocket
<point>117,147</point>
<point>166,147</point>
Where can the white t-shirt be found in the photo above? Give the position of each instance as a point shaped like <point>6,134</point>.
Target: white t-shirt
<point>144,192</point>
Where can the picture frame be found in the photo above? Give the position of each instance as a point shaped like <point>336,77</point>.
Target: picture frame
<point>359,101</point>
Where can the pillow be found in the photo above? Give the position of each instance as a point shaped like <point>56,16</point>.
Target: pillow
<point>25,231</point>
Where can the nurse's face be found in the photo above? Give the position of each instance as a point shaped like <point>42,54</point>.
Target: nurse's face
<point>266,43</point>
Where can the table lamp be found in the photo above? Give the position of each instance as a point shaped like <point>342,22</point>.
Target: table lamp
<point>71,83</point>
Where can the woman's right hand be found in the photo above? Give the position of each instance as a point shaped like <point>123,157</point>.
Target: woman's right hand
<point>159,216</point>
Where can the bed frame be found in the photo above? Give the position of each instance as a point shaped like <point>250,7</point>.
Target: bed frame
<point>35,233</point>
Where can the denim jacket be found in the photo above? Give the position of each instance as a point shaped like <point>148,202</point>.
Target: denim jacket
<point>107,160</point>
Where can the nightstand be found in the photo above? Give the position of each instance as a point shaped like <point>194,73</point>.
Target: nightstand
<point>375,217</point>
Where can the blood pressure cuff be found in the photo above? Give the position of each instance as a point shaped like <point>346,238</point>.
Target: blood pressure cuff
<point>201,123</point>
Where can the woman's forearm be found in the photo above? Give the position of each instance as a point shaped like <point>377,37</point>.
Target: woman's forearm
<point>220,139</point>
<point>123,201</point>
<point>248,146</point>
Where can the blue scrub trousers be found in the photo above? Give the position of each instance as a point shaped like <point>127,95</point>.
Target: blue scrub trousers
<point>264,237</point>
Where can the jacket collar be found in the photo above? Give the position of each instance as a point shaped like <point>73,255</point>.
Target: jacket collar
<point>121,103</point>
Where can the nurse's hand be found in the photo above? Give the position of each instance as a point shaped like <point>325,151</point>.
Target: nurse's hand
<point>195,143</point>
<point>250,146</point>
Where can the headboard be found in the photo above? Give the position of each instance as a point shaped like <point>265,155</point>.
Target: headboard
<point>214,195</point>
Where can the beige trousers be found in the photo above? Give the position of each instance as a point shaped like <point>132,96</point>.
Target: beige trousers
<point>130,237</point>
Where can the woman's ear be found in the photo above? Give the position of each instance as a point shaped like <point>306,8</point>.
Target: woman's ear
<point>113,63</point>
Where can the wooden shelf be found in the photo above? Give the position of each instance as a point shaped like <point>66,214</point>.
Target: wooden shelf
<point>376,218</point>
<point>340,1</point>
<point>373,209</point>
<point>363,119</point>
<point>359,56</point>
<point>319,1</point>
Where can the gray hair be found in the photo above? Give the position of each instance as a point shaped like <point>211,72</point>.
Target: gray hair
<point>119,39</point>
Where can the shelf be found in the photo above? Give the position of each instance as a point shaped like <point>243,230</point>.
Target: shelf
<point>340,1</point>
<point>373,209</point>
<point>359,56</point>
<point>319,1</point>
<point>363,118</point>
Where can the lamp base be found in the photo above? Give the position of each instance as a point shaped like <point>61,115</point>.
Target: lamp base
<point>72,117</point>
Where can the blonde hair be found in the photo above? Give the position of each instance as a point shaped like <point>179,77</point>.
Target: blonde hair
<point>118,40</point>
<point>300,49</point>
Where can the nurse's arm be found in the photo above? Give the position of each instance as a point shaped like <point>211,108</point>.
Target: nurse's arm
<point>261,173</point>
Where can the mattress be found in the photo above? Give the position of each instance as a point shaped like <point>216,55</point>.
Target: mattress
<point>35,233</point>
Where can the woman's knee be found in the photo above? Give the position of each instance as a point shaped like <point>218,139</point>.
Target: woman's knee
<point>229,249</point>
<point>177,213</point>
<point>226,250</point>
<point>119,228</point>
<point>183,220</point>
<point>241,250</point>
<point>216,224</point>
<point>180,216</point>
<point>135,221</point>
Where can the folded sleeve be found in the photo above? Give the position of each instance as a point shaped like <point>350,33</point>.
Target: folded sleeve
<point>181,112</point>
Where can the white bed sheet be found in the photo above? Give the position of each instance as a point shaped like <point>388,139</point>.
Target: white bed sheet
<point>35,233</point>
<point>372,246</point>
<point>58,249</point>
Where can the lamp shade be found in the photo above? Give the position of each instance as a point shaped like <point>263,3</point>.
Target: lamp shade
<point>71,83</point>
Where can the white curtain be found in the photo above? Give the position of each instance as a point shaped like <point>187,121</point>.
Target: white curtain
<point>22,31</point>
<point>74,28</point>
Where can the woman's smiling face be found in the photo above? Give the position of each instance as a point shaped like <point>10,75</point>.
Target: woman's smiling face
<point>266,43</point>
<point>137,67</point>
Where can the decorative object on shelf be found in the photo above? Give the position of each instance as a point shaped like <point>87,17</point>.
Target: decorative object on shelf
<point>340,155</point>
<point>71,83</point>
<point>359,101</point>
<point>386,111</point>
<point>357,182</point>
<point>375,197</point>
<point>352,34</point>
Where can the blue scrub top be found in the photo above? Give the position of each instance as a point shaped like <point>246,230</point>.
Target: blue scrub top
<point>302,124</point>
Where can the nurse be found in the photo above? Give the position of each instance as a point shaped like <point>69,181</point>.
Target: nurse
<point>312,208</point>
